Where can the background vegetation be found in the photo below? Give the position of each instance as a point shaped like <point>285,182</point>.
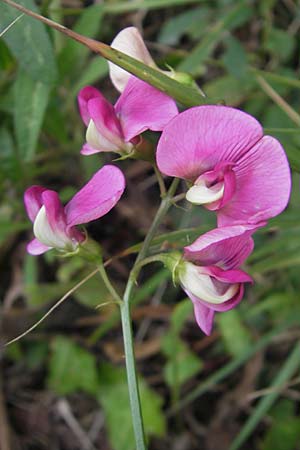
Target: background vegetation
<point>63,387</point>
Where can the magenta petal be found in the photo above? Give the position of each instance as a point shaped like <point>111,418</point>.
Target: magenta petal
<point>263,184</point>
<point>227,247</point>
<point>203,314</point>
<point>35,247</point>
<point>142,107</point>
<point>97,197</point>
<point>86,94</point>
<point>200,137</point>
<point>33,201</point>
<point>107,123</point>
<point>54,212</point>
<point>88,150</point>
<point>227,276</point>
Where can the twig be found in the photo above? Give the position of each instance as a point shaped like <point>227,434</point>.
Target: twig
<point>77,286</point>
<point>11,24</point>
<point>290,112</point>
<point>65,412</point>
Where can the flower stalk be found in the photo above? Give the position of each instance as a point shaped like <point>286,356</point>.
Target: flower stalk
<point>135,403</point>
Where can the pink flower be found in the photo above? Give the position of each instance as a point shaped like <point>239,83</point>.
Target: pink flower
<point>54,226</point>
<point>234,170</point>
<point>116,128</point>
<point>130,42</point>
<point>210,273</point>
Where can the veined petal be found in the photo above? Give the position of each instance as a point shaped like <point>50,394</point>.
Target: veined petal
<point>128,41</point>
<point>203,286</point>
<point>142,107</point>
<point>33,201</point>
<point>196,140</point>
<point>263,184</point>
<point>226,247</point>
<point>85,95</point>
<point>97,197</point>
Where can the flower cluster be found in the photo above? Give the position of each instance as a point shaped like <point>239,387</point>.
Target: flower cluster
<point>232,169</point>
<point>229,167</point>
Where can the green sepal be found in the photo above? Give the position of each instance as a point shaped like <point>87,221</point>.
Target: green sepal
<point>90,251</point>
<point>172,261</point>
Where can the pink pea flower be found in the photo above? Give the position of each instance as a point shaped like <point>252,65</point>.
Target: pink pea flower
<point>54,226</point>
<point>233,169</point>
<point>210,273</point>
<point>116,128</point>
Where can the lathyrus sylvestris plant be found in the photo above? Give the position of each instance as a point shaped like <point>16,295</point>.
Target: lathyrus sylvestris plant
<point>229,167</point>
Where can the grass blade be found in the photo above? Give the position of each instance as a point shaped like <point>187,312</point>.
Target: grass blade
<point>232,366</point>
<point>291,365</point>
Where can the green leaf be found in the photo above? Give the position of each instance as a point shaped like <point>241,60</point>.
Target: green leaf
<point>229,89</point>
<point>182,364</point>
<point>93,293</point>
<point>280,43</point>
<point>71,368</point>
<point>187,94</point>
<point>36,354</point>
<point>96,69</point>
<point>180,314</point>
<point>8,228</point>
<point>236,337</point>
<point>175,27</point>
<point>126,6</point>
<point>229,368</point>
<point>31,99</point>
<point>114,399</point>
<point>39,294</point>
<point>286,371</point>
<point>235,58</point>
<point>206,46</point>
<point>9,166</point>
<point>30,43</point>
<point>284,433</point>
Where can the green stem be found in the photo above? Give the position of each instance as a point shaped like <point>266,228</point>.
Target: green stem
<point>108,284</point>
<point>160,181</point>
<point>134,396</point>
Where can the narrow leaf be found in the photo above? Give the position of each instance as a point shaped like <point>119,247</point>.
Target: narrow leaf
<point>212,38</point>
<point>31,99</point>
<point>29,42</point>
<point>186,94</point>
<point>290,366</point>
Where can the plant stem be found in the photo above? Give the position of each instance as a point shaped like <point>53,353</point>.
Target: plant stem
<point>135,403</point>
<point>160,181</point>
<point>108,284</point>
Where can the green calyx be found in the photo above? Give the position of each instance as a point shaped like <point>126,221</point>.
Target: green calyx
<point>172,261</point>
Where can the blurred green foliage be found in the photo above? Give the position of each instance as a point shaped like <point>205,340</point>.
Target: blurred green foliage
<point>226,45</point>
